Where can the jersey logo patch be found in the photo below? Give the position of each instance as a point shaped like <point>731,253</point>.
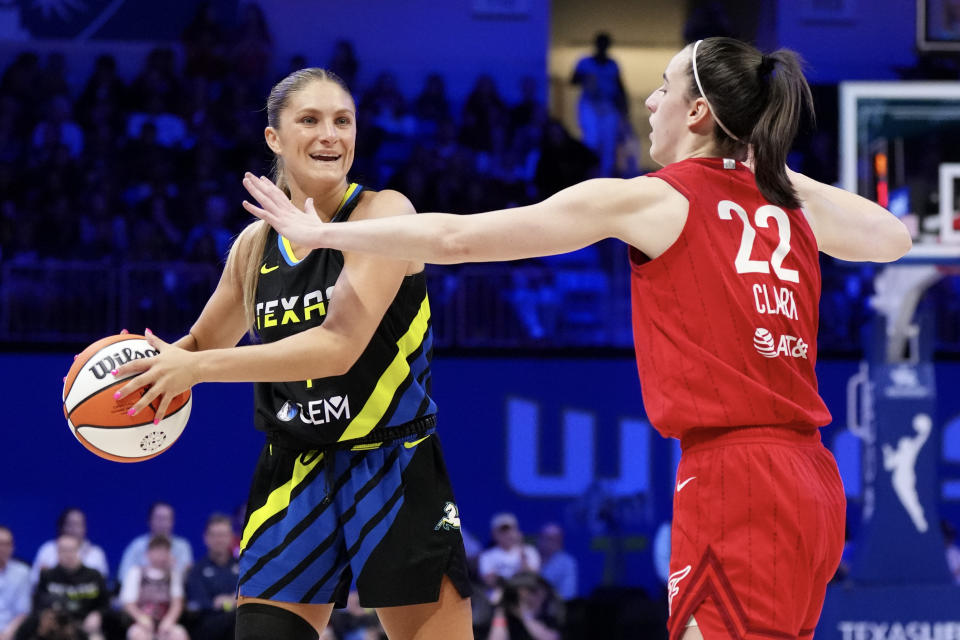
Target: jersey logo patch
<point>788,346</point>
<point>673,586</point>
<point>449,521</point>
<point>264,269</point>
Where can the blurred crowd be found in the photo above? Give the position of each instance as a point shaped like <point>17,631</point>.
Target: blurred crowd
<point>149,168</point>
<point>162,590</point>
<point>146,169</point>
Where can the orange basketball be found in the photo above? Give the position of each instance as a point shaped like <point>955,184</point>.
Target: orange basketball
<point>100,422</point>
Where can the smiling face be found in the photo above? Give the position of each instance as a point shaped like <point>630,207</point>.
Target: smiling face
<point>316,136</point>
<point>669,106</point>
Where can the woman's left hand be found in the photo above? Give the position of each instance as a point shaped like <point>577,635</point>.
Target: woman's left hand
<point>163,376</point>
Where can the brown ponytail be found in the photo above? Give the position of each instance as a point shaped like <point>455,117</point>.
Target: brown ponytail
<point>759,99</point>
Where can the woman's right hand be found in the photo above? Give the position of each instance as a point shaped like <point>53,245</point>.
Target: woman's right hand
<point>300,227</point>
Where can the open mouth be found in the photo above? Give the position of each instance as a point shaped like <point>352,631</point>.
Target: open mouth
<point>325,157</point>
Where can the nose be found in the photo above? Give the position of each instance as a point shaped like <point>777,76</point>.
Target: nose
<point>328,132</point>
<point>650,103</point>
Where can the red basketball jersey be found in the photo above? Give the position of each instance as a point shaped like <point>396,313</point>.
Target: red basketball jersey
<point>725,320</point>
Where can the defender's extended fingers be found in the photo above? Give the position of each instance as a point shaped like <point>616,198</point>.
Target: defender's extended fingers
<point>260,194</point>
<point>257,211</point>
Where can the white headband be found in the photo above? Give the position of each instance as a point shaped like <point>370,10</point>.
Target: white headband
<point>696,77</point>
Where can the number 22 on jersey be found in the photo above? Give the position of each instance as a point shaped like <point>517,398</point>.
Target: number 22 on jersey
<point>743,262</point>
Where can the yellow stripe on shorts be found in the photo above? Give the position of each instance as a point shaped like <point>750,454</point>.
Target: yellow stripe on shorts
<point>278,500</point>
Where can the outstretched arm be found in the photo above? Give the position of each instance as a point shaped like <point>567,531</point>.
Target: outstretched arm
<point>644,212</point>
<point>363,292</point>
<point>850,227</point>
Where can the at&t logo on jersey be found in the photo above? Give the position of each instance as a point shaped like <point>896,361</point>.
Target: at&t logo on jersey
<point>787,346</point>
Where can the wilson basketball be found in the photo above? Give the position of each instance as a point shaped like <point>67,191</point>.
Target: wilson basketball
<point>100,422</point>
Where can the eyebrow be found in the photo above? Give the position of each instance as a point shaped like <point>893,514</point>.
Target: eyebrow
<point>315,110</point>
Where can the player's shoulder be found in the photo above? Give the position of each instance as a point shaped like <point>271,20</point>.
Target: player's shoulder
<point>383,204</point>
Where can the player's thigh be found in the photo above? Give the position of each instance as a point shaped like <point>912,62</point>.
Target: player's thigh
<point>449,618</point>
<point>318,615</point>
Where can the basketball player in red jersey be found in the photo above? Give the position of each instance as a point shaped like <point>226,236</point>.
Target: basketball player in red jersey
<point>726,285</point>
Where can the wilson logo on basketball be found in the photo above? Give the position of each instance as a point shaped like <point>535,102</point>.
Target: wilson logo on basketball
<point>787,346</point>
<point>105,365</point>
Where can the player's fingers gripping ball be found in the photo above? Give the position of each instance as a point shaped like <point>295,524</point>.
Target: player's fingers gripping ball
<point>101,422</point>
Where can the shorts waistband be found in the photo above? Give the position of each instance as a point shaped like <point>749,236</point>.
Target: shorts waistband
<point>419,427</point>
<point>706,437</point>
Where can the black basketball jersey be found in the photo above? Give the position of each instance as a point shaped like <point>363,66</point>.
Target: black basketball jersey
<point>388,386</point>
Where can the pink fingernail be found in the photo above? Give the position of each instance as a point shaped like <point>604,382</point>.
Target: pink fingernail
<point>64,378</point>
<point>156,421</point>
<point>131,412</point>
<point>116,396</point>
<point>114,372</point>
<point>75,357</point>
<point>149,333</point>
<point>124,331</point>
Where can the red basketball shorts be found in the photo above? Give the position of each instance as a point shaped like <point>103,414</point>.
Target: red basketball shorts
<point>758,530</point>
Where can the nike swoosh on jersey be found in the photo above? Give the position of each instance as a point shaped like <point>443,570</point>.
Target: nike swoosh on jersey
<point>264,269</point>
<point>684,483</point>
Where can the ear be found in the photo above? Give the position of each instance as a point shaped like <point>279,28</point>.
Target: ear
<point>270,135</point>
<point>699,118</point>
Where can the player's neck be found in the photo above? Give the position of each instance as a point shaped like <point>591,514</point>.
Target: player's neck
<point>699,147</point>
<point>326,198</point>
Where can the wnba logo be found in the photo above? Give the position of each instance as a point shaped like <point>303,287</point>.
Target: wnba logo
<point>102,367</point>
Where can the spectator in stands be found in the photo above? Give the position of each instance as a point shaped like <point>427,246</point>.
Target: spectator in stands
<point>105,92</point>
<point>252,48</point>
<point>563,161</point>
<point>20,81</point>
<point>77,595</point>
<point>53,79</point>
<point>529,610</point>
<point>158,81</point>
<point>171,130</point>
<point>603,102</point>
<point>14,587</point>
<point>204,43</point>
<point>160,520</point>
<point>211,589</point>
<point>557,566</point>
<point>509,556</point>
<point>72,521</point>
<point>530,111</point>
<point>485,116</point>
<point>59,128</point>
<point>432,106</point>
<point>209,240</point>
<point>152,595</point>
<point>343,62</point>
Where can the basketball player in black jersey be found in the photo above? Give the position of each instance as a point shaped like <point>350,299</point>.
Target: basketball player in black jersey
<point>351,483</point>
